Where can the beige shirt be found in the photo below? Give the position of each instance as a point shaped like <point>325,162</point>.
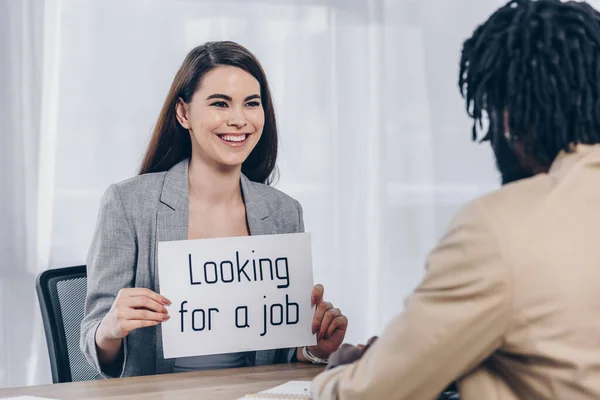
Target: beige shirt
<point>509,306</point>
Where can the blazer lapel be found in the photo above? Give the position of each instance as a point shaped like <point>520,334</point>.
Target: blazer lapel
<point>172,220</point>
<point>257,212</point>
<point>172,224</point>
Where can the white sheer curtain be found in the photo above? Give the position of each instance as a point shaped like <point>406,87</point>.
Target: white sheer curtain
<point>24,231</point>
<point>375,142</point>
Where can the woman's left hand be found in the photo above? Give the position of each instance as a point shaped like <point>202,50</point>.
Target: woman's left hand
<point>329,324</point>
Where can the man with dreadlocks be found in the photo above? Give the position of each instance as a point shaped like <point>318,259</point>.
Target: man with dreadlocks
<point>510,304</point>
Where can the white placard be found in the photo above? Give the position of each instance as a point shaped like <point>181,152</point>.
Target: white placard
<point>236,294</point>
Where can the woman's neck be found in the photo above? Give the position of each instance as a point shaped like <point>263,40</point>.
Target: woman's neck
<point>213,186</point>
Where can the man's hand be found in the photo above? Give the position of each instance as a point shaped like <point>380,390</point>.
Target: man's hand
<point>347,354</point>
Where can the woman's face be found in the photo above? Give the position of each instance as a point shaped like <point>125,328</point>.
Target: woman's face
<point>225,117</point>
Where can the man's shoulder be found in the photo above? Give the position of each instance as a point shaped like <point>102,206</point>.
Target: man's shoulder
<point>517,197</point>
<point>512,210</point>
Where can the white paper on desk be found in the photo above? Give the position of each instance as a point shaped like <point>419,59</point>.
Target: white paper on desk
<point>214,283</point>
<point>289,390</point>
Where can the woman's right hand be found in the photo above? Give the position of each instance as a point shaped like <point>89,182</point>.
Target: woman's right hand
<point>133,308</point>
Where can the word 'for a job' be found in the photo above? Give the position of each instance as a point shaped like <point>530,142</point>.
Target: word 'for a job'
<point>227,271</point>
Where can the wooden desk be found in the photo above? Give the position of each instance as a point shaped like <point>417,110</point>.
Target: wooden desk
<point>225,384</point>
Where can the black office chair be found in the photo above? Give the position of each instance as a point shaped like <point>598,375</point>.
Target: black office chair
<point>61,293</point>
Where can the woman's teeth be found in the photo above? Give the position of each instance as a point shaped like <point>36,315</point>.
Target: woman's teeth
<point>234,138</point>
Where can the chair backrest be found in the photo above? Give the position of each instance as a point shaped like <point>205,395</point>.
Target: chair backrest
<point>61,293</point>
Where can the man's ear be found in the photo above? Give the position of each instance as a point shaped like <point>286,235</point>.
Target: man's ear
<point>182,109</point>
<point>522,148</point>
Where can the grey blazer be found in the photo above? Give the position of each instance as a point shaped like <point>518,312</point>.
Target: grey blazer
<point>134,216</point>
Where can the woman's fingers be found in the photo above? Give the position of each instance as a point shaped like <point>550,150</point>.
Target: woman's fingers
<point>144,302</point>
<point>319,314</point>
<point>329,316</point>
<point>340,322</point>
<point>131,292</point>
<point>144,315</point>
<point>317,295</point>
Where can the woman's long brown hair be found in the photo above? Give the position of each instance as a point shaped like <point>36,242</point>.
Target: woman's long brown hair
<point>171,143</point>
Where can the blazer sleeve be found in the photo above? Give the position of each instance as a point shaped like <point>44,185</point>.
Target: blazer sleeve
<point>110,267</point>
<point>453,321</point>
<point>283,356</point>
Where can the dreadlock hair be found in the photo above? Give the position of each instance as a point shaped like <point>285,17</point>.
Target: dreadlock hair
<point>540,61</point>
